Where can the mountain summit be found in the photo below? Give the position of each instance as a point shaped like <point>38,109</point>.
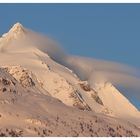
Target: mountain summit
<point>17,32</point>
<point>17,28</point>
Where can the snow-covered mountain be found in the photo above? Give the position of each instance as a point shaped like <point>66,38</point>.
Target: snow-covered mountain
<point>41,97</point>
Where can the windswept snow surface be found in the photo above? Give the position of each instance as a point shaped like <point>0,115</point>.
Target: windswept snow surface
<point>41,97</point>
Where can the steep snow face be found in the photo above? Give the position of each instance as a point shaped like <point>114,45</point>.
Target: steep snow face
<point>57,80</point>
<point>116,102</point>
<point>56,86</point>
<point>111,97</point>
<point>36,72</point>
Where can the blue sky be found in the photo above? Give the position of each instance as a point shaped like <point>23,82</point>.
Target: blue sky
<point>104,31</point>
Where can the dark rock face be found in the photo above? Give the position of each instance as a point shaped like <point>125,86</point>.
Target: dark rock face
<point>97,99</point>
<point>85,87</point>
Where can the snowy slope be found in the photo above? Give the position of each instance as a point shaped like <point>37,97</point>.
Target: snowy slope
<point>50,89</point>
<point>29,113</point>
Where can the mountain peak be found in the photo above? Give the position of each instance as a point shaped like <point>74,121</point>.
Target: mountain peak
<point>17,28</point>
<point>19,25</point>
<point>16,31</point>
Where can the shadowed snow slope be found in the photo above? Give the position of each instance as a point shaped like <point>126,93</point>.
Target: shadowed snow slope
<point>40,96</point>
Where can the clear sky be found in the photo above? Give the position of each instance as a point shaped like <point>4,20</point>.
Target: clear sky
<point>104,31</point>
